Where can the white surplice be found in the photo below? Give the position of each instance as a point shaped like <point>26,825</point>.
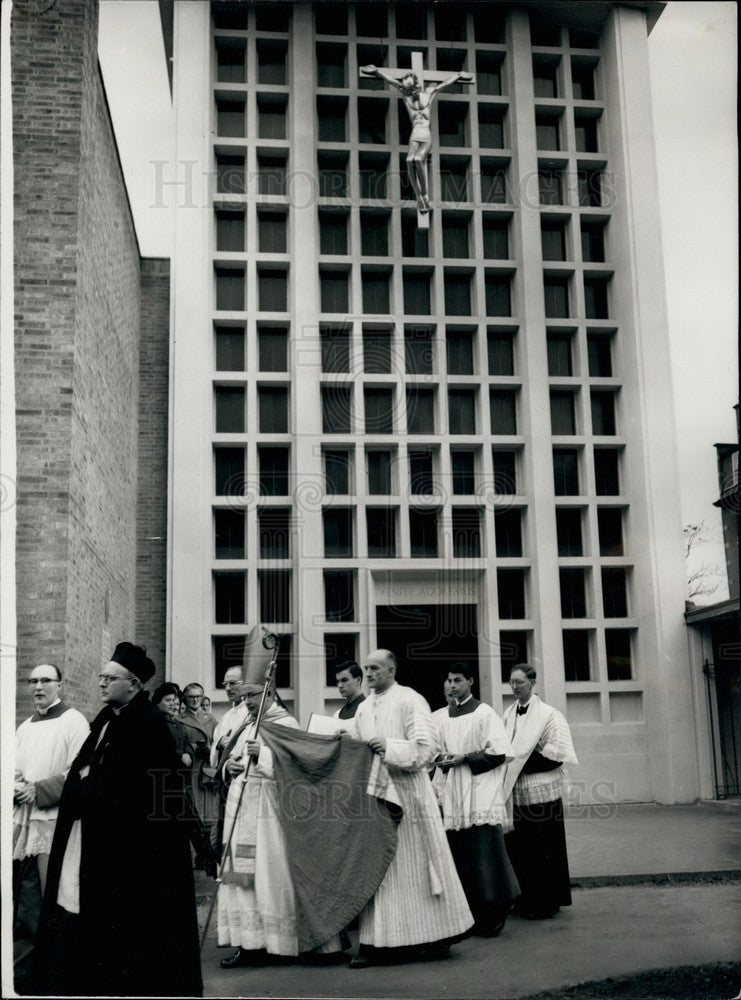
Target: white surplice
<point>45,746</point>
<point>420,899</point>
<point>542,728</point>
<point>474,799</point>
<point>225,728</point>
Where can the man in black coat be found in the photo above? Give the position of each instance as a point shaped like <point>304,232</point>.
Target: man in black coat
<point>119,912</point>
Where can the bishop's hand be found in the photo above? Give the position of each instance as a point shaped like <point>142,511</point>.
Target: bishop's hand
<point>234,766</point>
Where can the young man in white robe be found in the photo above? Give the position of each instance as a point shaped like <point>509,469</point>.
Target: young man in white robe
<point>474,748</point>
<point>257,901</point>
<point>45,746</point>
<point>420,907</point>
<point>536,779</point>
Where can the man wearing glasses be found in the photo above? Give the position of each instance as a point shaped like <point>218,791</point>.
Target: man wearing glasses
<point>234,715</point>
<point>119,914</point>
<point>45,746</point>
<point>224,735</point>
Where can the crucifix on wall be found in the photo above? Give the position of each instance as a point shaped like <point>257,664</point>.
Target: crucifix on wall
<point>418,88</point>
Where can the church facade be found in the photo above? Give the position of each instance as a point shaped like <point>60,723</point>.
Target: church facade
<point>447,435</point>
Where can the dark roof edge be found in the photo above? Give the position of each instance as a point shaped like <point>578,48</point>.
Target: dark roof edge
<point>721,610</point>
<point>167,18</point>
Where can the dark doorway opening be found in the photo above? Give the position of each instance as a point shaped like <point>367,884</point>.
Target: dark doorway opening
<point>427,639</point>
<point>728,693</point>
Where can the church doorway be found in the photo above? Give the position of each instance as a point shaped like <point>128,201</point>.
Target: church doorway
<point>427,639</point>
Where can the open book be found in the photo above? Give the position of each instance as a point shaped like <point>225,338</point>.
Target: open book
<point>326,725</point>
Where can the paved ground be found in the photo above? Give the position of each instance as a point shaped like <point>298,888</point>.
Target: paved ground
<point>648,839</point>
<point>607,932</point>
<point>610,931</point>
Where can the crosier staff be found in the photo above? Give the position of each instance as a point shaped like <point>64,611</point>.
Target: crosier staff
<point>269,641</point>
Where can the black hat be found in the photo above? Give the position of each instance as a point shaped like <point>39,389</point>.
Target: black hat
<point>164,690</point>
<point>135,659</point>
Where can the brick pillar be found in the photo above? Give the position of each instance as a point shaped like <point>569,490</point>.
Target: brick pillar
<point>77,354</point>
<point>151,553</point>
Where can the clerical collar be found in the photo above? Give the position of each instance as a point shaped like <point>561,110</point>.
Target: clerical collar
<point>463,708</point>
<point>43,712</point>
<point>464,700</point>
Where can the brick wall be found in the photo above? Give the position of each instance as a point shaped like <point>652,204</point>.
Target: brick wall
<point>77,356</point>
<point>151,558</point>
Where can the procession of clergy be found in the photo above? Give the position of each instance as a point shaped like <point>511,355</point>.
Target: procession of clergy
<point>424,826</point>
<point>490,777</point>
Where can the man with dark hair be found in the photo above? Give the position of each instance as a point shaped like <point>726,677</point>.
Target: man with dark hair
<point>119,912</point>
<point>45,746</point>
<point>349,683</point>
<point>474,748</point>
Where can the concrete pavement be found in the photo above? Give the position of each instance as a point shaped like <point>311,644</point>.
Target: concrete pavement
<point>611,930</point>
<point>607,932</point>
<point>646,839</point>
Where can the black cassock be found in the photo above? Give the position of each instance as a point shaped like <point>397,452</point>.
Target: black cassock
<point>137,931</point>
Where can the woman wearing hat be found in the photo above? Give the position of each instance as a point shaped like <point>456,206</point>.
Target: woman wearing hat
<point>167,699</point>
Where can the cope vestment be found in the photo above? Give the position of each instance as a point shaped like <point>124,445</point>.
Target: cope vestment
<point>257,905</point>
<point>45,746</point>
<point>541,745</point>
<point>420,899</point>
<point>474,810</point>
<point>135,932</point>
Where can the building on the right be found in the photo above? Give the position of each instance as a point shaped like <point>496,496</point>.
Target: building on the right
<point>474,420</point>
<point>715,650</point>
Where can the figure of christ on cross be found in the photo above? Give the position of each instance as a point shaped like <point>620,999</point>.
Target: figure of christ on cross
<point>418,89</point>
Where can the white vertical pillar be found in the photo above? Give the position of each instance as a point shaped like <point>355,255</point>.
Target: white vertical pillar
<point>308,680</point>
<point>650,466</point>
<point>191,480</point>
<point>534,410</point>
